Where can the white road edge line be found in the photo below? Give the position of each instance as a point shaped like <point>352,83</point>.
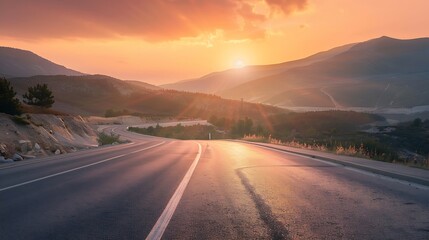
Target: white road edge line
<point>352,169</point>
<point>162,223</point>
<point>78,168</point>
<point>299,155</point>
<point>416,185</point>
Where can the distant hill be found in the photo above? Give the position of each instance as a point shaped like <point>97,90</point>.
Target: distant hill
<point>21,63</point>
<point>377,74</point>
<point>88,94</point>
<point>218,82</point>
<point>95,94</point>
<point>380,73</point>
<point>142,84</point>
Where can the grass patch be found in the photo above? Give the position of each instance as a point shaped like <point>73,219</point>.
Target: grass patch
<point>255,138</point>
<point>41,110</point>
<point>20,120</point>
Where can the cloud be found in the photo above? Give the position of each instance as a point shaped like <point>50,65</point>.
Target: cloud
<point>151,20</point>
<point>287,6</point>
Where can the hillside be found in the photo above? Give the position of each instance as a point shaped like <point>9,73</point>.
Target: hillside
<point>21,63</point>
<point>140,84</point>
<point>95,94</point>
<point>375,75</point>
<point>80,94</point>
<point>222,81</point>
<point>83,95</point>
<point>380,73</point>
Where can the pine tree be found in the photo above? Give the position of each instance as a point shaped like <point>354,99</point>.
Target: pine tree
<point>39,95</point>
<point>8,103</point>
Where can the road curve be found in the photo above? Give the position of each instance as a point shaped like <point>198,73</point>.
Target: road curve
<point>242,191</point>
<point>108,194</point>
<point>237,191</point>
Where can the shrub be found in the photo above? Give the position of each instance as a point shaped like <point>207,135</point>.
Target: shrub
<point>105,139</point>
<point>180,132</point>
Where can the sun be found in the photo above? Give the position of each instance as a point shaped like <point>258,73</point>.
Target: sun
<point>239,63</point>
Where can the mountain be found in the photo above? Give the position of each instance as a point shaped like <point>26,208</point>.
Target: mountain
<point>216,83</point>
<point>383,73</point>
<point>21,63</point>
<point>95,94</point>
<point>76,93</point>
<point>380,73</point>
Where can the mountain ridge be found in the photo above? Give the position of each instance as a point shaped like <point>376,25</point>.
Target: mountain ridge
<point>379,73</point>
<point>16,62</point>
<point>96,94</point>
<point>207,83</point>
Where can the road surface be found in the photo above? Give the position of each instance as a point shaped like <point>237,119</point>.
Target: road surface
<point>236,191</point>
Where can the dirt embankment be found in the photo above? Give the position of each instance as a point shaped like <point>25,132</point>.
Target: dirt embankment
<point>37,135</point>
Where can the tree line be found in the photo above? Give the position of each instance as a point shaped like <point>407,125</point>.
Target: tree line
<point>39,95</point>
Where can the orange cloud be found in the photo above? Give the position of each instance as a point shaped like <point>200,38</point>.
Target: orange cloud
<point>152,20</point>
<point>287,6</point>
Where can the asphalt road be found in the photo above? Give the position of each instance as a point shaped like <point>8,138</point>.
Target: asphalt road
<point>237,191</point>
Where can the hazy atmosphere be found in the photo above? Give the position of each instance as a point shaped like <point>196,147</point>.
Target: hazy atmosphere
<point>214,119</point>
<point>166,41</point>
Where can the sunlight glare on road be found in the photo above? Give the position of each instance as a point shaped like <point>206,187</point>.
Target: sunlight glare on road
<point>239,149</point>
<point>242,154</point>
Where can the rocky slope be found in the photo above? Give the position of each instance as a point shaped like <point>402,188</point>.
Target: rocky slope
<point>36,135</point>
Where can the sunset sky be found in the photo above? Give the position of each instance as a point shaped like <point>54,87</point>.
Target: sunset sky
<point>160,41</point>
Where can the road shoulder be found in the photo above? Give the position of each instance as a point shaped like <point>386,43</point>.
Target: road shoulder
<point>396,171</point>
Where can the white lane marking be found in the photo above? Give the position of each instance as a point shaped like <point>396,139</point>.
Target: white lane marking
<point>162,223</point>
<point>78,168</point>
<point>63,156</point>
